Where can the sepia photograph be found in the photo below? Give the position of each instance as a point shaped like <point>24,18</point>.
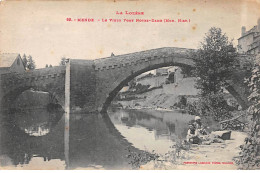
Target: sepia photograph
<point>129,85</point>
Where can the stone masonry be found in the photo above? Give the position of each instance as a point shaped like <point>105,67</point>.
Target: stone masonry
<point>91,85</point>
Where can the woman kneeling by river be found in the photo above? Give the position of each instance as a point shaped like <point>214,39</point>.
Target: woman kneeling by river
<point>198,135</point>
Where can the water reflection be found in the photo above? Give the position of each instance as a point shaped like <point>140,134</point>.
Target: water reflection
<point>40,140</point>
<point>151,129</point>
<point>77,141</point>
<point>37,122</point>
<point>19,148</point>
<point>94,143</point>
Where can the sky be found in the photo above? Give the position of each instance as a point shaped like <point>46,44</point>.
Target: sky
<point>40,29</point>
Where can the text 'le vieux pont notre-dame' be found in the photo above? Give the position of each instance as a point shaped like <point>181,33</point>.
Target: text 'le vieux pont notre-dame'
<point>129,20</point>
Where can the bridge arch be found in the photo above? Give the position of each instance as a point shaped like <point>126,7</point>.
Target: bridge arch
<point>124,82</point>
<point>51,80</point>
<point>114,72</point>
<point>8,99</point>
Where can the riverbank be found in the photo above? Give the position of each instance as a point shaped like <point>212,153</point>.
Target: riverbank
<point>217,156</point>
<point>152,108</point>
<point>163,97</point>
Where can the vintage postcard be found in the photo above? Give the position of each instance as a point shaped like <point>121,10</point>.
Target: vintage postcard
<point>130,85</point>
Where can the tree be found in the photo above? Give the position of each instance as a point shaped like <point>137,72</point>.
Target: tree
<point>183,101</point>
<point>31,64</point>
<point>214,61</point>
<point>214,105</point>
<point>213,65</point>
<point>63,61</point>
<point>141,88</point>
<point>50,66</point>
<point>171,77</point>
<point>24,59</point>
<point>132,84</point>
<point>46,66</point>
<point>187,71</point>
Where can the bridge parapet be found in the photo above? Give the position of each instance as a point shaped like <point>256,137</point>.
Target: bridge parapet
<point>31,76</point>
<point>38,73</point>
<point>133,59</point>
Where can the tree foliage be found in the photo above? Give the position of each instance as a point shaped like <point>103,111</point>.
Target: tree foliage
<point>171,77</point>
<point>24,59</point>
<point>187,72</point>
<point>141,88</point>
<point>132,84</point>
<point>214,61</point>
<point>28,62</point>
<point>63,61</point>
<point>250,151</point>
<point>214,105</point>
<point>31,63</point>
<point>213,65</point>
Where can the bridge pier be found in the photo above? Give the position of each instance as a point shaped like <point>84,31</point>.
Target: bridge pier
<point>82,88</point>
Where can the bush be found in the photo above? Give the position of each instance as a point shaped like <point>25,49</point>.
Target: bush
<point>250,151</point>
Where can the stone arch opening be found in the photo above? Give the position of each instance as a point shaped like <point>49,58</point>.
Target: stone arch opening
<point>9,98</point>
<point>133,74</point>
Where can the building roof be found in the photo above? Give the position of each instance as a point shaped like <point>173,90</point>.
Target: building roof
<point>7,59</point>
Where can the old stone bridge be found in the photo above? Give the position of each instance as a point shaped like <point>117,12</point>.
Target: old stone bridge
<point>91,85</point>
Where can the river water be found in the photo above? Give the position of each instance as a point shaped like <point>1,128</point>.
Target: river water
<point>38,139</point>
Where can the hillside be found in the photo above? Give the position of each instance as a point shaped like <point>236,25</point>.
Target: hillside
<point>164,97</point>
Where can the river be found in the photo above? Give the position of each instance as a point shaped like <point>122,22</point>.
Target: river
<point>38,139</point>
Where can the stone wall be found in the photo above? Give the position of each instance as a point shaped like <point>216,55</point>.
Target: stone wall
<point>92,84</point>
<point>153,81</point>
<point>184,87</point>
<point>244,43</point>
